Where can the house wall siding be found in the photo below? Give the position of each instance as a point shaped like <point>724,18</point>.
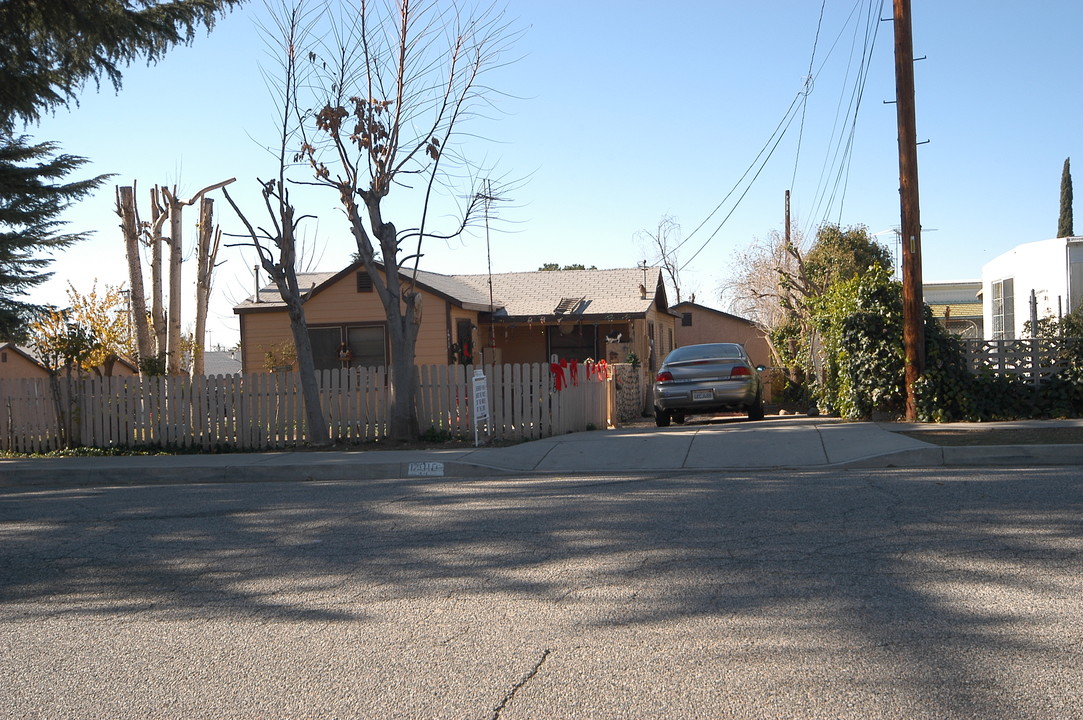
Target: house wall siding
<point>1038,266</point>
<point>341,304</point>
<point>18,366</point>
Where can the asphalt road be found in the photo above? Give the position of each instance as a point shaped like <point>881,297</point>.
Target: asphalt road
<point>857,594</point>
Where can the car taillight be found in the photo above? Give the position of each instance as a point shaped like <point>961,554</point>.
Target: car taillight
<point>740,370</point>
<point>665,376</point>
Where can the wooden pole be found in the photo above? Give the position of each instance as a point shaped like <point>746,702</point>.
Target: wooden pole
<point>913,303</point>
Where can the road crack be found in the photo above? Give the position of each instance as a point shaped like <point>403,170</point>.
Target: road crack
<point>517,686</point>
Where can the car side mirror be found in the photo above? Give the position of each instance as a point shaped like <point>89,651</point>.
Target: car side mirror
<point>761,368</point>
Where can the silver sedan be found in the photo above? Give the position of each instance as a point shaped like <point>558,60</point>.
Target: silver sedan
<point>706,379</point>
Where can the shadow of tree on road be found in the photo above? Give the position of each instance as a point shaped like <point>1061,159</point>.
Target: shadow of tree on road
<point>932,572</point>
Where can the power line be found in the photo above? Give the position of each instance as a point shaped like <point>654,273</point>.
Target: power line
<point>799,101</point>
<point>808,90</point>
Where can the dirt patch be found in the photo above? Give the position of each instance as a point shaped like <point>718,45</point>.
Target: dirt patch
<point>1000,436</point>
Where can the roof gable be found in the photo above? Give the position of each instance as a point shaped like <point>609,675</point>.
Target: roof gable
<point>686,306</point>
<point>312,284</point>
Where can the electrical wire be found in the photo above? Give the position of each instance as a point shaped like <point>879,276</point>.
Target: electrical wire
<point>809,80</point>
<point>833,183</point>
<point>800,102</point>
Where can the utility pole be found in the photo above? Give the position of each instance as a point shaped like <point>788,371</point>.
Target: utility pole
<point>913,303</point>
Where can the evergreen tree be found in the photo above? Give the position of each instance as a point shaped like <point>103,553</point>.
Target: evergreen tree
<point>33,194</point>
<point>52,48</point>
<point>1064,226</point>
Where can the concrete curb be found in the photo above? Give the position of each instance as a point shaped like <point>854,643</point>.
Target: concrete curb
<point>84,477</point>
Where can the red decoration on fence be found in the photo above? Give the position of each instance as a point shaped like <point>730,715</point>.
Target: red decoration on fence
<point>558,375</point>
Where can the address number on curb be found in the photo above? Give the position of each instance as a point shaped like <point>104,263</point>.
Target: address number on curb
<point>425,469</point>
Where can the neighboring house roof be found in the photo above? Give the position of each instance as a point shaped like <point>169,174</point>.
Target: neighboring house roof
<point>539,294</point>
<point>686,306</point>
<point>951,293</point>
<point>571,293</point>
<point>959,311</point>
<point>446,286</point>
<point>221,362</point>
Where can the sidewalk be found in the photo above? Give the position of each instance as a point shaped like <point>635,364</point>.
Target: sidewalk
<point>782,443</point>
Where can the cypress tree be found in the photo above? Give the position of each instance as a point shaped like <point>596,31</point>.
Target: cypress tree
<point>1064,226</point>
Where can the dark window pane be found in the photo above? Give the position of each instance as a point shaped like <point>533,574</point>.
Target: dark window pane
<point>367,346</point>
<point>325,347</point>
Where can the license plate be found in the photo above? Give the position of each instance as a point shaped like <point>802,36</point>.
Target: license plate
<point>702,395</point>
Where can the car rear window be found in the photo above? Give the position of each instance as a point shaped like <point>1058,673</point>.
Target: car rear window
<point>725,351</point>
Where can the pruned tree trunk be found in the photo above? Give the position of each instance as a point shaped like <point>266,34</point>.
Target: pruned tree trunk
<point>130,228</point>
<point>176,254</point>
<point>158,218</point>
<point>176,251</point>
<point>206,253</point>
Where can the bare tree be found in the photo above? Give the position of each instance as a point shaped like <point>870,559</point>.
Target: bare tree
<point>769,285</point>
<point>395,88</point>
<point>662,244</point>
<point>277,246</point>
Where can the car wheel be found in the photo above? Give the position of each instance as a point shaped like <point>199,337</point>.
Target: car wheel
<point>661,418</point>
<point>755,411</point>
<point>678,418</point>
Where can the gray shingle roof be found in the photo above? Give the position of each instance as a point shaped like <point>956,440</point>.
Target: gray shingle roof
<point>541,293</point>
<point>600,292</point>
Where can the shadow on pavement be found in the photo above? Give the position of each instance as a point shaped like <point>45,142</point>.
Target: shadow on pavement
<point>914,566</point>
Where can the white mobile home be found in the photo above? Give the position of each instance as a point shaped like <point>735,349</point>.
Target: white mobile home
<point>1050,271</point>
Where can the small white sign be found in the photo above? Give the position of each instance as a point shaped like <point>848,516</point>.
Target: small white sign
<point>425,469</point>
<point>481,397</point>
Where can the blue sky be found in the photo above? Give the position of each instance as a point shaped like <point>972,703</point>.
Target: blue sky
<point>621,112</point>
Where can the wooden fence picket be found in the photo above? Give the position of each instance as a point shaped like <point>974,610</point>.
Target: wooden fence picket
<point>266,411</point>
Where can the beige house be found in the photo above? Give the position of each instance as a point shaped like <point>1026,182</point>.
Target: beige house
<point>526,317</point>
<point>17,362</point>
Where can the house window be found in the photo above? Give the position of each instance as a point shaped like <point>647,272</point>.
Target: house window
<point>1004,309</point>
<point>326,343</point>
<point>364,282</point>
<point>686,319</point>
<point>577,342</point>
<point>3,357</point>
<point>367,345</point>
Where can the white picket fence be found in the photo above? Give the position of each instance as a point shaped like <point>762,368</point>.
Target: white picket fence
<point>266,411</point>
